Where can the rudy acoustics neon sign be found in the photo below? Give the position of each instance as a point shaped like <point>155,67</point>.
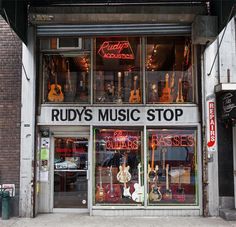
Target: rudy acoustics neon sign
<point>116,50</point>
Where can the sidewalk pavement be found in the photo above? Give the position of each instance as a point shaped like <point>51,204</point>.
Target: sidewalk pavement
<point>84,220</point>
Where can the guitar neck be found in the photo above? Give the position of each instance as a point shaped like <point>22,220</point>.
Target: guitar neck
<point>167,178</point>
<point>111,180</point>
<point>100,178</point>
<point>119,84</point>
<point>139,174</point>
<point>167,81</point>
<point>153,156</point>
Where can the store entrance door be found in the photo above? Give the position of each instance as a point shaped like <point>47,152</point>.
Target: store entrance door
<point>70,189</point>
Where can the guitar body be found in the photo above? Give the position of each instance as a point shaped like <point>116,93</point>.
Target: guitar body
<point>135,96</point>
<point>126,192</point>
<point>55,94</point>
<point>100,194</point>
<point>166,95</point>
<point>113,193</point>
<point>180,99</point>
<point>167,195</point>
<point>155,195</point>
<point>123,175</point>
<point>138,194</point>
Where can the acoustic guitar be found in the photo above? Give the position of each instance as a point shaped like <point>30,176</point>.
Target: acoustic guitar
<point>100,194</point>
<point>135,96</point>
<point>55,94</point>
<point>180,98</point>
<point>123,176</point>
<point>113,193</point>
<point>155,194</point>
<point>166,92</point>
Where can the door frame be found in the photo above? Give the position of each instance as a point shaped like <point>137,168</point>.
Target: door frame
<point>51,177</point>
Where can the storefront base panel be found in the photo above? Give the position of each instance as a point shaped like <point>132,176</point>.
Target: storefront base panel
<point>226,202</point>
<point>147,212</point>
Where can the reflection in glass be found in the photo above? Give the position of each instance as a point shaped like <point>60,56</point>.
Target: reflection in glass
<point>172,177</point>
<point>118,168</point>
<point>70,172</point>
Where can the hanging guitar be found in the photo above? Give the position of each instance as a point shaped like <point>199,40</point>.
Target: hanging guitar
<point>138,194</point>
<point>135,94</point>
<point>113,194</point>
<point>100,194</point>
<point>180,98</point>
<point>155,194</point>
<point>123,176</point>
<point>151,172</point>
<point>68,86</point>
<point>83,95</point>
<point>166,92</point>
<point>55,94</point>
<point>119,98</point>
<point>162,171</point>
<point>168,193</point>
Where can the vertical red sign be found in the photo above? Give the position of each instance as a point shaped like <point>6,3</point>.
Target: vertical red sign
<point>212,125</point>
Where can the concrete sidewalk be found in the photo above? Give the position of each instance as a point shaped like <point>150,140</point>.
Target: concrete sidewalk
<point>82,220</point>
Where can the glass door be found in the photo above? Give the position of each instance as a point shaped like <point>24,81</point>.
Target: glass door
<point>70,172</point>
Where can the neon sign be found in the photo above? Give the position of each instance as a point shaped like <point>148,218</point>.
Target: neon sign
<point>116,50</point>
<point>171,140</point>
<point>121,141</point>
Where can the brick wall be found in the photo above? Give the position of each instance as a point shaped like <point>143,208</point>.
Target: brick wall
<point>10,107</point>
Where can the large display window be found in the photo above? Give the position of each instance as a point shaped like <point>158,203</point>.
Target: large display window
<point>169,77</point>
<point>172,167</point>
<point>66,69</point>
<point>119,175</point>
<point>117,70</point>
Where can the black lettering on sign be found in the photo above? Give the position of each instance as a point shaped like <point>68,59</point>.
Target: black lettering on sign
<point>88,115</point>
<point>55,115</point>
<point>122,115</point>
<point>151,115</point>
<point>63,115</point>
<point>71,115</point>
<point>159,111</point>
<point>178,113</point>
<point>168,115</point>
<point>103,116</point>
<point>133,116</point>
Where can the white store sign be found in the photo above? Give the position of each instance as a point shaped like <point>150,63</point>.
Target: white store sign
<point>118,115</point>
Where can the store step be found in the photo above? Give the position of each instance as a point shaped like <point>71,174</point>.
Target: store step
<point>228,214</point>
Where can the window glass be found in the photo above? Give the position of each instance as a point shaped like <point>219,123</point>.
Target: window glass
<point>66,70</point>
<point>118,167</point>
<point>172,167</point>
<point>168,69</point>
<point>117,65</point>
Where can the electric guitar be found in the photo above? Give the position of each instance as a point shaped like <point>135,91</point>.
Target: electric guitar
<point>138,194</point>
<point>113,194</point>
<point>162,172</point>
<point>155,194</point>
<point>126,191</point>
<point>168,193</point>
<point>180,98</point>
<point>166,92</point>
<point>55,94</point>
<point>151,171</point>
<point>123,175</point>
<point>135,94</point>
<point>83,96</point>
<point>100,194</point>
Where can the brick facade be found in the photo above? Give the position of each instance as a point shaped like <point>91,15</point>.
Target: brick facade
<point>10,109</point>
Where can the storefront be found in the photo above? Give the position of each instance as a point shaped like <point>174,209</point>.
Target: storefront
<point>118,125</point>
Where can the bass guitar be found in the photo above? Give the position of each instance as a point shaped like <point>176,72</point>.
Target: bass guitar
<point>168,193</point>
<point>100,194</point>
<point>166,92</point>
<point>55,94</point>
<point>135,96</point>
<point>180,195</point>
<point>151,171</point>
<point>155,194</point>
<point>138,194</point>
<point>113,193</point>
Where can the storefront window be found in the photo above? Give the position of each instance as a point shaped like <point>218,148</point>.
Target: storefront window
<point>66,69</point>
<point>118,167</point>
<point>168,70</point>
<point>172,167</point>
<point>117,70</point>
